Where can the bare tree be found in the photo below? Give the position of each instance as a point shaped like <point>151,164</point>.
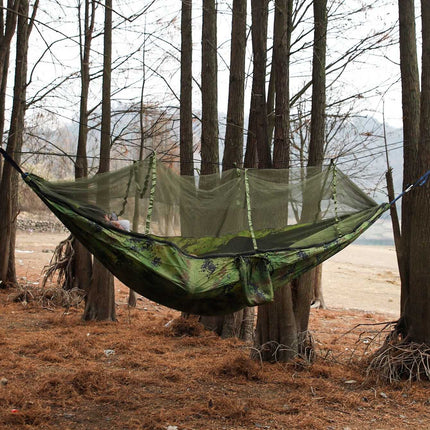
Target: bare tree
<point>186,108</point>
<point>259,13</point>
<point>276,323</point>
<point>82,263</point>
<point>239,324</point>
<point>313,279</point>
<point>209,138</point>
<point>411,129</point>
<point>411,334</point>
<point>100,299</point>
<point>233,146</point>
<point>9,183</point>
<point>7,30</point>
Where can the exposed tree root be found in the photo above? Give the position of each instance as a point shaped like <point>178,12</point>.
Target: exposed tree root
<point>47,297</point>
<point>273,351</point>
<point>399,359</point>
<point>61,264</point>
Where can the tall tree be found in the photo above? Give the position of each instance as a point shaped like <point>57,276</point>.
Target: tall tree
<point>186,107</point>
<point>239,324</point>
<point>209,91</point>
<point>259,13</point>
<point>312,280</point>
<point>233,146</point>
<point>411,129</point>
<point>100,299</point>
<point>412,332</point>
<point>82,263</point>
<point>417,306</point>
<point>9,182</point>
<point>209,138</point>
<point>276,324</point>
<point>8,17</point>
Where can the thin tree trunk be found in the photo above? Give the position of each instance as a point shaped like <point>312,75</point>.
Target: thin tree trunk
<point>251,157</point>
<point>100,300</point>
<point>317,139</point>
<point>186,106</point>
<point>209,138</point>
<point>82,262</point>
<point>8,188</point>
<point>305,285</point>
<point>276,336</point>
<point>233,150</point>
<point>3,89</point>
<point>259,13</point>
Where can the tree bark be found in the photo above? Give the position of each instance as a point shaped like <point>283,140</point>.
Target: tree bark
<point>276,336</point>
<point>239,324</point>
<point>233,149</point>
<point>417,306</point>
<point>318,123</point>
<point>259,13</point>
<point>186,105</point>
<point>8,188</point>
<point>209,138</point>
<point>3,88</point>
<point>82,262</point>
<point>411,121</point>
<point>100,299</point>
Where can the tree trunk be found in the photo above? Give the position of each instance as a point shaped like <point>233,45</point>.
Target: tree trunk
<point>233,149</point>
<point>209,138</point>
<point>317,139</point>
<point>186,105</point>
<point>411,121</point>
<point>251,157</point>
<point>259,13</point>
<point>3,89</point>
<point>100,299</point>
<point>8,188</point>
<point>417,306</point>
<point>276,333</point>
<point>239,324</point>
<point>82,263</point>
<point>306,286</point>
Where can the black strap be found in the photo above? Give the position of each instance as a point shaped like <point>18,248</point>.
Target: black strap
<point>12,162</point>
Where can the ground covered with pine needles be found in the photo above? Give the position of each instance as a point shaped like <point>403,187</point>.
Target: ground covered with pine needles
<point>151,371</point>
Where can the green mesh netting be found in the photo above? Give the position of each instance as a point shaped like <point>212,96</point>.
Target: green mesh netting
<point>216,243</point>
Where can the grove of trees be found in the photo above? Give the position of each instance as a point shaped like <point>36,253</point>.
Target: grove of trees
<point>157,76</point>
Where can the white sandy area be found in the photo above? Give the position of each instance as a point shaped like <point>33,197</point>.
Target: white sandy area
<point>363,277</point>
<point>359,277</point>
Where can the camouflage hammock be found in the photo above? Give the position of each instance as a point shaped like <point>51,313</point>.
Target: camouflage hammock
<point>213,244</point>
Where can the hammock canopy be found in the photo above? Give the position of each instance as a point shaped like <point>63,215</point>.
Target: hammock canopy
<point>211,244</point>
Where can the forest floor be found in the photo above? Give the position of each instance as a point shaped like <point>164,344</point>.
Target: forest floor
<point>58,372</point>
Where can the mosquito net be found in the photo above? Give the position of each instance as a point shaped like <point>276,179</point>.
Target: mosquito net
<point>234,212</point>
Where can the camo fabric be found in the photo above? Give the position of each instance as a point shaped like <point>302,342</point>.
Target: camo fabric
<point>162,271</point>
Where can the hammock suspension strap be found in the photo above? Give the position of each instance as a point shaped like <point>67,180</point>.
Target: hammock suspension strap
<point>419,183</point>
<point>248,207</point>
<point>151,193</point>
